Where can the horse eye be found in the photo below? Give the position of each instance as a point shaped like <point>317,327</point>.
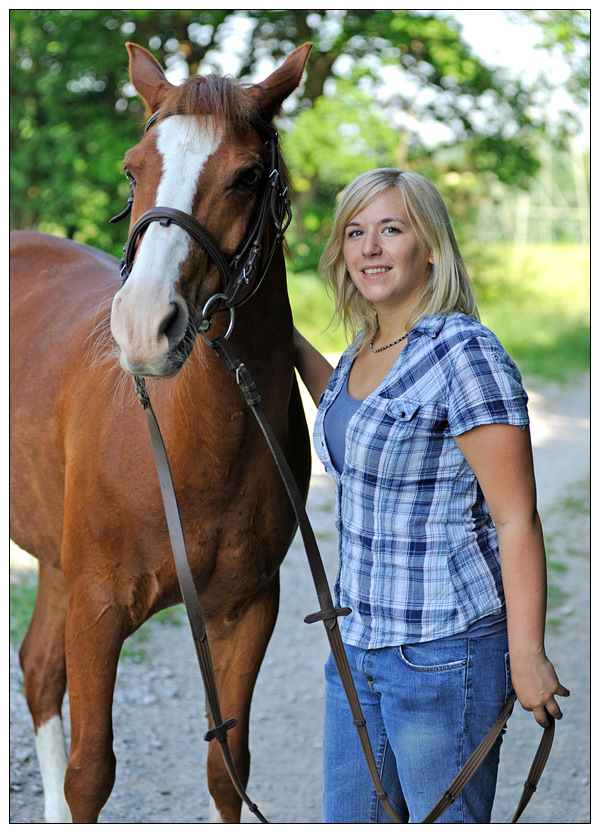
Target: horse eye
<point>129,175</point>
<point>249,178</point>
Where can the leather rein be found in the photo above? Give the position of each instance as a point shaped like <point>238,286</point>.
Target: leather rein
<point>240,279</point>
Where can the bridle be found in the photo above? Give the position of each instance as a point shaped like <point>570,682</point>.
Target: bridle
<point>240,279</point>
<point>243,274</point>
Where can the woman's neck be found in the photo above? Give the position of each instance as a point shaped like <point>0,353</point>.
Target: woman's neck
<point>392,325</point>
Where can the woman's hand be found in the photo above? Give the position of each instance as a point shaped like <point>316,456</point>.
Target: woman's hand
<point>536,686</point>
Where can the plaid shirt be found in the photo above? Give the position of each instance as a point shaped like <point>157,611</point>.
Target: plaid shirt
<point>418,548</point>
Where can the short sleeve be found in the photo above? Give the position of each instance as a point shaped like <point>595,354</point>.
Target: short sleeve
<point>485,387</point>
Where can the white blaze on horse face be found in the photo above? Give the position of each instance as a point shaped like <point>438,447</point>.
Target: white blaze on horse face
<point>147,299</point>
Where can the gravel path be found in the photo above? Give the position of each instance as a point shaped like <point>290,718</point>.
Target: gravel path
<point>158,710</point>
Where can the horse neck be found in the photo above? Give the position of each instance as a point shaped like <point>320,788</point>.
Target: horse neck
<point>264,324</point>
<point>261,338</point>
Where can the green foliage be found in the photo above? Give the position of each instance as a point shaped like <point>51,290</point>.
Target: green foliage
<point>327,146</point>
<point>22,602</point>
<point>67,135</point>
<point>313,312</point>
<point>566,32</point>
<point>377,81</point>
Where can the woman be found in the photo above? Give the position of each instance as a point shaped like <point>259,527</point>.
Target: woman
<point>423,426</point>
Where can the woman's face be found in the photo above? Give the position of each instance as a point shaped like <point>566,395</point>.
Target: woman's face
<point>385,259</point>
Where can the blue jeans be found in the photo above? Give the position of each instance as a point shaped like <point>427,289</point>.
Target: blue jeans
<point>427,707</point>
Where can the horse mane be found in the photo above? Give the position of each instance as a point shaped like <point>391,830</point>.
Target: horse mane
<point>221,97</point>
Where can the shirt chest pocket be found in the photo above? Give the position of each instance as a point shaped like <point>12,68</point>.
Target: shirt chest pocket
<point>403,418</point>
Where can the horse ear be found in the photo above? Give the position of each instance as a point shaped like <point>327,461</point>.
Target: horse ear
<point>273,91</point>
<point>147,77</point>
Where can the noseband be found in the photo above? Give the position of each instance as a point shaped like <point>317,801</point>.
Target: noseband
<point>243,274</point>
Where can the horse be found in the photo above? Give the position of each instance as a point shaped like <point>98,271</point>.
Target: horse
<point>85,499</point>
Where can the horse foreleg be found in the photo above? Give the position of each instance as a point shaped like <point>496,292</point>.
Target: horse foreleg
<point>42,658</point>
<point>95,631</point>
<point>238,647</point>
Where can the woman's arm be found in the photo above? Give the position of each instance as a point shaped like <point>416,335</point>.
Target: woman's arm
<point>501,459</point>
<point>314,369</point>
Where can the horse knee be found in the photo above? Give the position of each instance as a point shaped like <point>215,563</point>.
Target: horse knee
<point>88,783</point>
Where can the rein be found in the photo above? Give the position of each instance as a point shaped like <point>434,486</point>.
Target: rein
<point>239,282</point>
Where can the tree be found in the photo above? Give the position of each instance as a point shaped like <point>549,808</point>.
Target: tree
<point>73,114</point>
<point>566,32</point>
<point>383,87</point>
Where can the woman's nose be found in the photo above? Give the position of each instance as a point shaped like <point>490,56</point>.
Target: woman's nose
<point>371,243</point>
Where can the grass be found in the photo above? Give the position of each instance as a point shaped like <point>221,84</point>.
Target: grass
<point>542,313</point>
<point>22,601</point>
<point>535,298</point>
<point>566,536</point>
<point>134,647</point>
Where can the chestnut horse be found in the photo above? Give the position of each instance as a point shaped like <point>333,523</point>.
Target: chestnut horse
<point>85,497</point>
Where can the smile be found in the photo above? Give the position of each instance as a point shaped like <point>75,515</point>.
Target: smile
<point>378,270</point>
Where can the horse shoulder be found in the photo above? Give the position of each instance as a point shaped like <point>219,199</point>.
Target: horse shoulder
<point>60,355</point>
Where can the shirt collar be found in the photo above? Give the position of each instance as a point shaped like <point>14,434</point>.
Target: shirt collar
<point>430,325</point>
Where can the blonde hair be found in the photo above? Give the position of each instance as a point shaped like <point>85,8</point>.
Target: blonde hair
<point>448,288</point>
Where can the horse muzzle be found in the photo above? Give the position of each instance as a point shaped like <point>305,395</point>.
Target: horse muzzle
<point>154,338</point>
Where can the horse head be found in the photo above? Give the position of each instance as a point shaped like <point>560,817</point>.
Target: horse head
<point>199,181</point>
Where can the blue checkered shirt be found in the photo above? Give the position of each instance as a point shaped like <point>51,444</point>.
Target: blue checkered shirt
<point>418,549</point>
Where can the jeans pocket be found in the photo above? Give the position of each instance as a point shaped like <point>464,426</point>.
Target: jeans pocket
<point>437,655</point>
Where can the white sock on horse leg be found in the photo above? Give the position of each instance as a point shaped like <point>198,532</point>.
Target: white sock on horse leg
<point>52,758</point>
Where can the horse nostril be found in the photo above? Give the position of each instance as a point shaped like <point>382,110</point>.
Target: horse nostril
<point>175,324</point>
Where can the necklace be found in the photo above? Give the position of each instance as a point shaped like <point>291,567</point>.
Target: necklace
<point>385,347</point>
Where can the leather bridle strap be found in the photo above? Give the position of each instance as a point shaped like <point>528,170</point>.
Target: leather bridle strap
<point>327,613</point>
<point>164,216</point>
<point>478,757</point>
<point>219,728</point>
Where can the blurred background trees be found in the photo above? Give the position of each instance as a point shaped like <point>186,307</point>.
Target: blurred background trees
<point>383,87</point>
